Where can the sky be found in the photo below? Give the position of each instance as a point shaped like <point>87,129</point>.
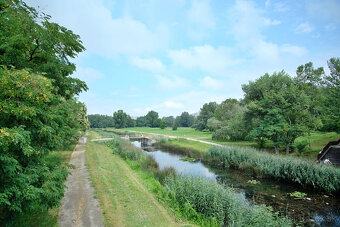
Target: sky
<point>175,55</point>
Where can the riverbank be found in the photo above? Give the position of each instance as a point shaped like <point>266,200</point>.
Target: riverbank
<point>124,193</point>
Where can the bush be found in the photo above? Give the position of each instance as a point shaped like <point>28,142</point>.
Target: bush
<point>305,173</point>
<point>302,146</point>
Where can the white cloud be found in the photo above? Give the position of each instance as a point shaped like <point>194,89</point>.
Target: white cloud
<point>211,83</point>
<point>200,13</point>
<point>295,50</point>
<point>207,58</point>
<point>151,64</point>
<point>171,82</point>
<point>101,33</point>
<point>304,28</point>
<point>173,105</point>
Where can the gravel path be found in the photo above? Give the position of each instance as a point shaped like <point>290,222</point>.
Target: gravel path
<point>79,207</point>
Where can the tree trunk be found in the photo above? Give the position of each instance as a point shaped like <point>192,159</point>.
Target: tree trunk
<point>277,151</point>
<point>287,148</point>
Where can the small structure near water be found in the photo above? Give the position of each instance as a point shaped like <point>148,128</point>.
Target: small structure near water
<point>145,140</point>
<point>330,154</point>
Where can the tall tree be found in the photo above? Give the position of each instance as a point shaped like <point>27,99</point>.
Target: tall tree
<point>206,112</point>
<point>151,119</point>
<point>331,105</point>
<point>282,108</point>
<point>120,119</point>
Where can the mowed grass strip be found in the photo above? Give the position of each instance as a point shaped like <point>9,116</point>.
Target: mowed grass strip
<point>123,198</point>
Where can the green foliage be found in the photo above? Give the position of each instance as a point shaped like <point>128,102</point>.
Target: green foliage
<point>301,146</point>
<point>38,111</point>
<point>186,120</point>
<point>124,150</point>
<point>162,124</point>
<point>305,173</point>
<point>254,182</point>
<point>29,40</point>
<point>297,194</point>
<point>100,121</point>
<point>33,121</point>
<point>151,119</point>
<point>206,112</point>
<point>216,201</point>
<point>331,114</point>
<point>188,159</point>
<point>280,106</point>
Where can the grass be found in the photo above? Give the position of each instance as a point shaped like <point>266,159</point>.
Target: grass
<point>124,197</point>
<point>49,217</point>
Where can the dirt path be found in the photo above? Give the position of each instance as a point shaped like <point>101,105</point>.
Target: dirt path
<point>79,208</point>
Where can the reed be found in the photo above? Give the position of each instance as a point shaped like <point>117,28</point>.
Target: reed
<point>221,203</point>
<point>303,172</point>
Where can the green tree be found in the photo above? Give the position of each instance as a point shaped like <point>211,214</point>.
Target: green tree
<point>281,107</point>
<point>151,119</point>
<point>162,124</point>
<point>141,121</point>
<point>100,121</point>
<point>206,112</point>
<point>331,113</point>
<point>120,119</point>
<point>186,120</point>
<point>29,40</point>
<point>33,121</point>
<point>169,121</point>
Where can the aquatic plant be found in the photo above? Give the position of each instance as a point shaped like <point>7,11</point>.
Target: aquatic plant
<point>253,182</point>
<point>305,173</point>
<point>188,159</point>
<point>297,194</point>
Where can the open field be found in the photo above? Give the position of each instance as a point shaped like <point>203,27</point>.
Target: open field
<point>123,196</point>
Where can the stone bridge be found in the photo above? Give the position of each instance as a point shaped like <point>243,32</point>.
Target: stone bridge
<point>146,141</point>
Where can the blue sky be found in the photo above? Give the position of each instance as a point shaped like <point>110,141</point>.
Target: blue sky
<point>174,56</point>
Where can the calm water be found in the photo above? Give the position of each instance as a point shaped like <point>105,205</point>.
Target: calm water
<point>317,210</point>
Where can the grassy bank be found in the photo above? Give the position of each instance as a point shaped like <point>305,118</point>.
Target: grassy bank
<point>204,202</point>
<point>124,191</point>
<point>46,217</point>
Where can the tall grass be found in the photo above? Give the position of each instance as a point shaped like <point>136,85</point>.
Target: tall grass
<point>305,173</point>
<point>216,201</point>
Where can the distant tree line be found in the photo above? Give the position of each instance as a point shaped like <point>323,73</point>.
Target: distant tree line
<point>278,107</point>
<point>120,119</point>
